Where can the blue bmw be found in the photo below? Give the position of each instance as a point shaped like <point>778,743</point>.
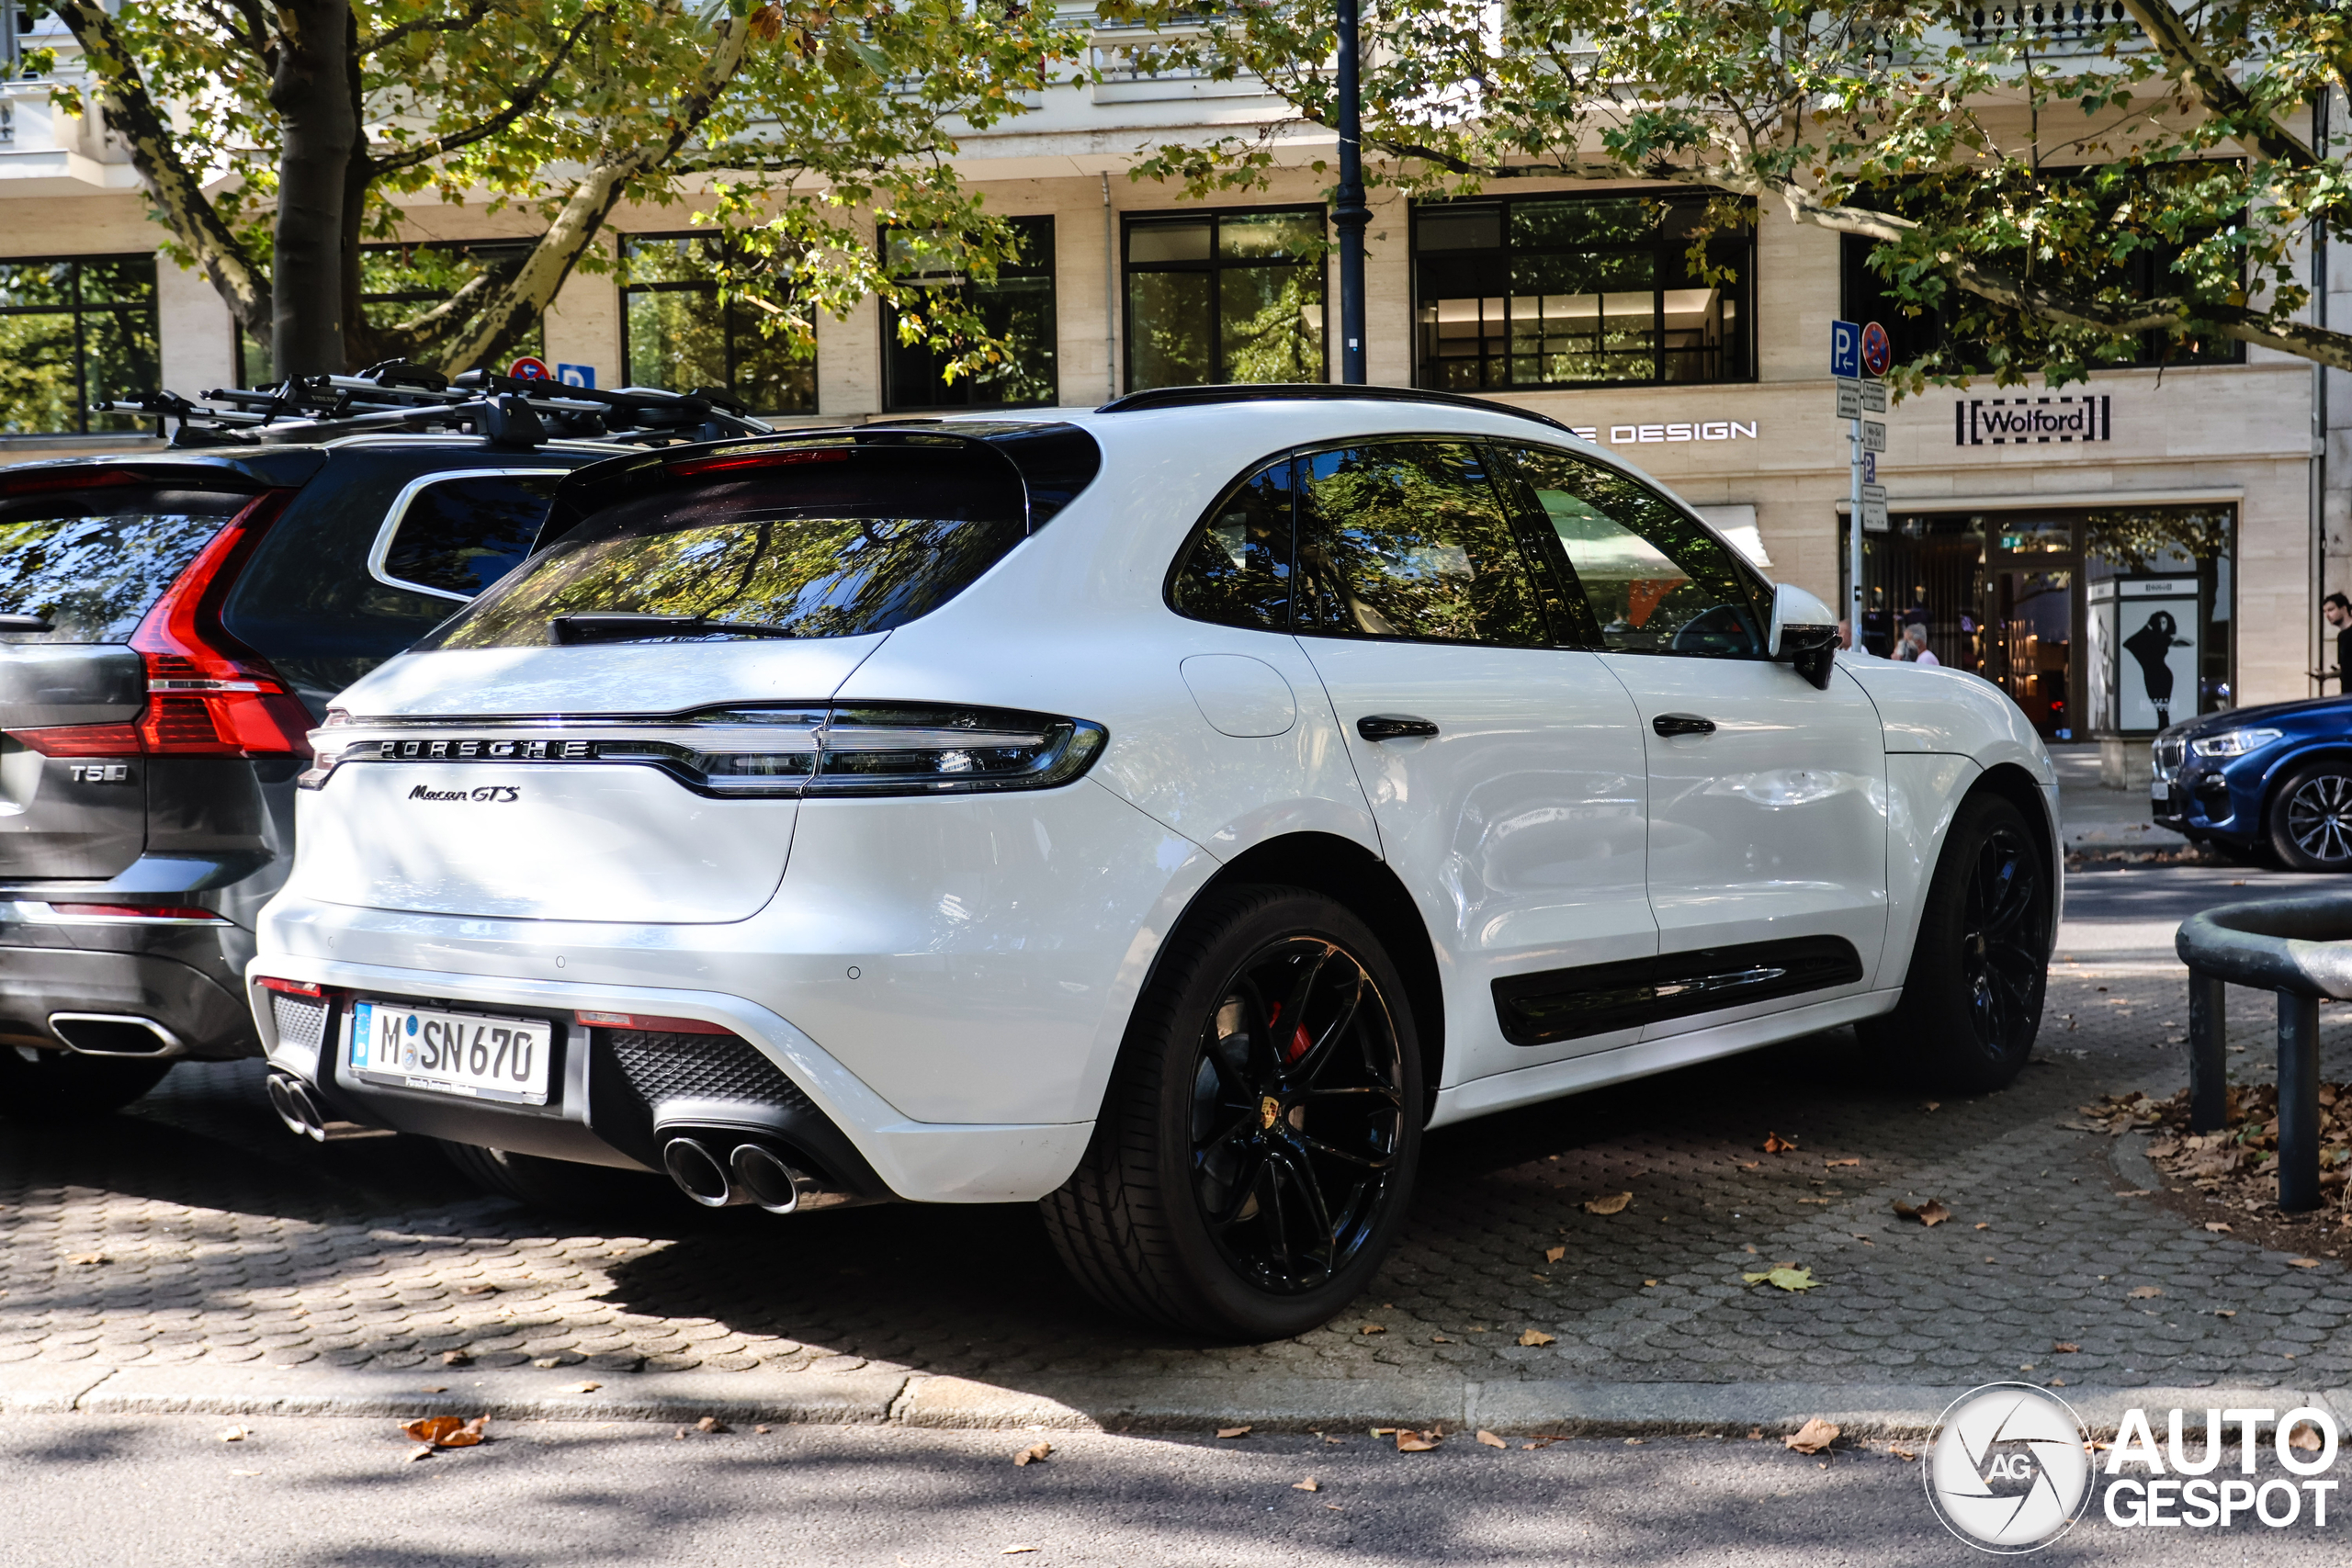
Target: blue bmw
<point>2273,782</point>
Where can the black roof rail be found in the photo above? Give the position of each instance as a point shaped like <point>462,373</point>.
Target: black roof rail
<point>398,396</point>
<point>1311,391</point>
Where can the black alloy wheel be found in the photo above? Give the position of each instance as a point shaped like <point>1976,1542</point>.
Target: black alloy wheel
<point>2311,817</point>
<point>1298,1112</point>
<point>1254,1156</point>
<point>2005,941</point>
<point>1972,996</point>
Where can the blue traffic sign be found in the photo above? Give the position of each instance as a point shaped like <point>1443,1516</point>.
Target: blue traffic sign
<point>1845,350</point>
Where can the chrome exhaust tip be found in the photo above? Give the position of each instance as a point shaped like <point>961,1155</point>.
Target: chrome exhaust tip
<point>290,1097</point>
<point>770,1180</point>
<point>114,1034</point>
<point>700,1174</point>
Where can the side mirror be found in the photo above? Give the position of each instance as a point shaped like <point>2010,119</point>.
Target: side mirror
<point>1804,634</point>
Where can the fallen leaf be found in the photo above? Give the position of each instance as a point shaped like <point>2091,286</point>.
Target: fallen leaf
<point>1535,1337</point>
<point>762,1431</point>
<point>1904,1454</point>
<point>2217,1226</point>
<point>234,1434</point>
<point>415,1454</point>
<point>1983,1225</point>
<point>1648,1283</point>
<point>712,1424</point>
<point>547,1363</point>
<point>1929,1104</point>
<point>1373,1328</point>
<point>88,1259</point>
<point>1612,1204</point>
<point>2225,1312</point>
<point>1017,1551</point>
<point>1553,1254</point>
<point>1439,1339</point>
<point>456,1358</point>
<point>476,1290</point>
<point>1931,1213</point>
<point>1833,1164</point>
<point>2302,1263</point>
<point>2145,1292</point>
<point>1749,1164</point>
<point>1309,1484</point>
<point>2306,1437</point>
<point>1412,1442</point>
<point>1787,1278</point>
<point>1636,1442</point>
<point>1033,1453</point>
<point>2066,1348</point>
<point>1812,1437</point>
<point>1490,1440</point>
<point>446,1431</point>
<point>592,1387</point>
<point>1776,1145</point>
<point>1233,1431</point>
<point>434,1388</point>
<point>679,1436</point>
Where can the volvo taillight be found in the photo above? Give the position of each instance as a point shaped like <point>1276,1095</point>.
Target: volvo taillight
<point>207,694</point>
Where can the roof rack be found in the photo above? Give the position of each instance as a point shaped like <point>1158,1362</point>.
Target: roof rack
<point>1311,391</point>
<point>399,396</point>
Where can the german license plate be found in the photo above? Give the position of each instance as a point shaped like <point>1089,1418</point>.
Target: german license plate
<point>474,1054</point>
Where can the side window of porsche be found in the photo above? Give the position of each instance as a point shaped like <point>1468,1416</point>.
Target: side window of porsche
<point>1656,581</point>
<point>1236,571</point>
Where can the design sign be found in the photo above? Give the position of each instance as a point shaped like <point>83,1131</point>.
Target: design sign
<point>2031,422</point>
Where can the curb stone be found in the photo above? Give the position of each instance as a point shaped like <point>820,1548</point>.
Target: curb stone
<point>1142,1405</point>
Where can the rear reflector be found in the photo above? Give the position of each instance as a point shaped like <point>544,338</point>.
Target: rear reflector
<point>651,1022</point>
<point>177,914</point>
<point>290,988</point>
<point>83,740</point>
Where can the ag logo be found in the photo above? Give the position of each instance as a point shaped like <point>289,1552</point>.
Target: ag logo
<point>2008,1471</point>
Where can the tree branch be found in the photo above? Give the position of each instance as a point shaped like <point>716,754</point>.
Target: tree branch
<point>177,193</point>
<point>517,106</point>
<point>473,13</point>
<point>2190,61</point>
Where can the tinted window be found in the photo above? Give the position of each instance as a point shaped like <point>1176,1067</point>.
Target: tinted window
<point>1409,540</point>
<point>1238,571</point>
<point>91,562</point>
<point>1656,581</point>
<point>832,542</point>
<point>461,535</point>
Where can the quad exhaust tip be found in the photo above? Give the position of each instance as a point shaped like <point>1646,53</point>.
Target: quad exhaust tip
<point>114,1034</point>
<point>748,1171</point>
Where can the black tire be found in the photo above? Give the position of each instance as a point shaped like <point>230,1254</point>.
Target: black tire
<point>560,1185</point>
<point>1210,1201</point>
<point>59,1085</point>
<point>2310,817</point>
<point>1971,1001</point>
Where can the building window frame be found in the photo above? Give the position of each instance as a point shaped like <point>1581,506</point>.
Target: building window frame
<point>1736,344</point>
<point>82,310</point>
<point>735,324</point>
<point>1214,266</point>
<point>901,391</point>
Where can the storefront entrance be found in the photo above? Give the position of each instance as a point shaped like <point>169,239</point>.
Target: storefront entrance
<point>2113,622</point>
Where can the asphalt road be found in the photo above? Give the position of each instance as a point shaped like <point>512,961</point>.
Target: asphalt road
<point>166,1490</point>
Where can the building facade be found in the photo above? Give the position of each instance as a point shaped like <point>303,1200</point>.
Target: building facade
<point>2116,554</point>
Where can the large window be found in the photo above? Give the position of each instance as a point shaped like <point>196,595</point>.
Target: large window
<point>1225,297</point>
<point>677,336</point>
<point>1017,308</point>
<point>74,331</point>
<point>1555,291</point>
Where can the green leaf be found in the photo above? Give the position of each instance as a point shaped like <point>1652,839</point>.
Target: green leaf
<point>1787,1278</point>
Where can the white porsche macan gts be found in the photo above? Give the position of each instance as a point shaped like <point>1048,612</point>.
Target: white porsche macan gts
<point>1166,813</point>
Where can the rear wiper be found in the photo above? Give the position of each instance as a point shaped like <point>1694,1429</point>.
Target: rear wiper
<point>624,626</point>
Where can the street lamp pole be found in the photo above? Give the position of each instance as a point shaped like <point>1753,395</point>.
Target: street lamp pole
<point>1349,215</point>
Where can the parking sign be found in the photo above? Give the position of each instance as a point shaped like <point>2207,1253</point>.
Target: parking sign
<point>1845,350</point>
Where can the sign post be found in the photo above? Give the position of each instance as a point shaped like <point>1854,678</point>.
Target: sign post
<point>1854,350</point>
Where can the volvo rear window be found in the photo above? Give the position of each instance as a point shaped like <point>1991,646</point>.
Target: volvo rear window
<point>833,541</point>
<point>90,562</point>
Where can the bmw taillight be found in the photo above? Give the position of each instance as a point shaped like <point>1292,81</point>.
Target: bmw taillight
<point>207,694</point>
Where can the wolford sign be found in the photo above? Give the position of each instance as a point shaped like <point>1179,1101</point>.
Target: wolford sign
<point>2030,422</point>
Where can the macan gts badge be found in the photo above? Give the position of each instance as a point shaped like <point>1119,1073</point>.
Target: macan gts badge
<point>1167,814</point>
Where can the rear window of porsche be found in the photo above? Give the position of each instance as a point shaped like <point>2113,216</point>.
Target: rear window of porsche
<point>825,542</point>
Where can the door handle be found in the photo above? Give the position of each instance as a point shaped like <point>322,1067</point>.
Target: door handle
<point>1394,727</point>
<point>1672,723</point>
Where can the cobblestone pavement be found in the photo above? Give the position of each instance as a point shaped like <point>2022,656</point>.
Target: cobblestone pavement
<point>225,1240</point>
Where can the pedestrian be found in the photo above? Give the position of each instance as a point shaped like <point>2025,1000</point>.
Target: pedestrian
<point>1915,645</point>
<point>2336,610</point>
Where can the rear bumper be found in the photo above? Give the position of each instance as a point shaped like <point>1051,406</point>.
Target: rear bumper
<point>592,1119</point>
<point>206,1015</point>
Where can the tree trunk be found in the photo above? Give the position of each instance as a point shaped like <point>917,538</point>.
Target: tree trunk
<point>320,122</point>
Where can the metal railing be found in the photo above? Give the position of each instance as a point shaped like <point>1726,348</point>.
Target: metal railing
<point>2060,27</point>
<point>2300,949</point>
